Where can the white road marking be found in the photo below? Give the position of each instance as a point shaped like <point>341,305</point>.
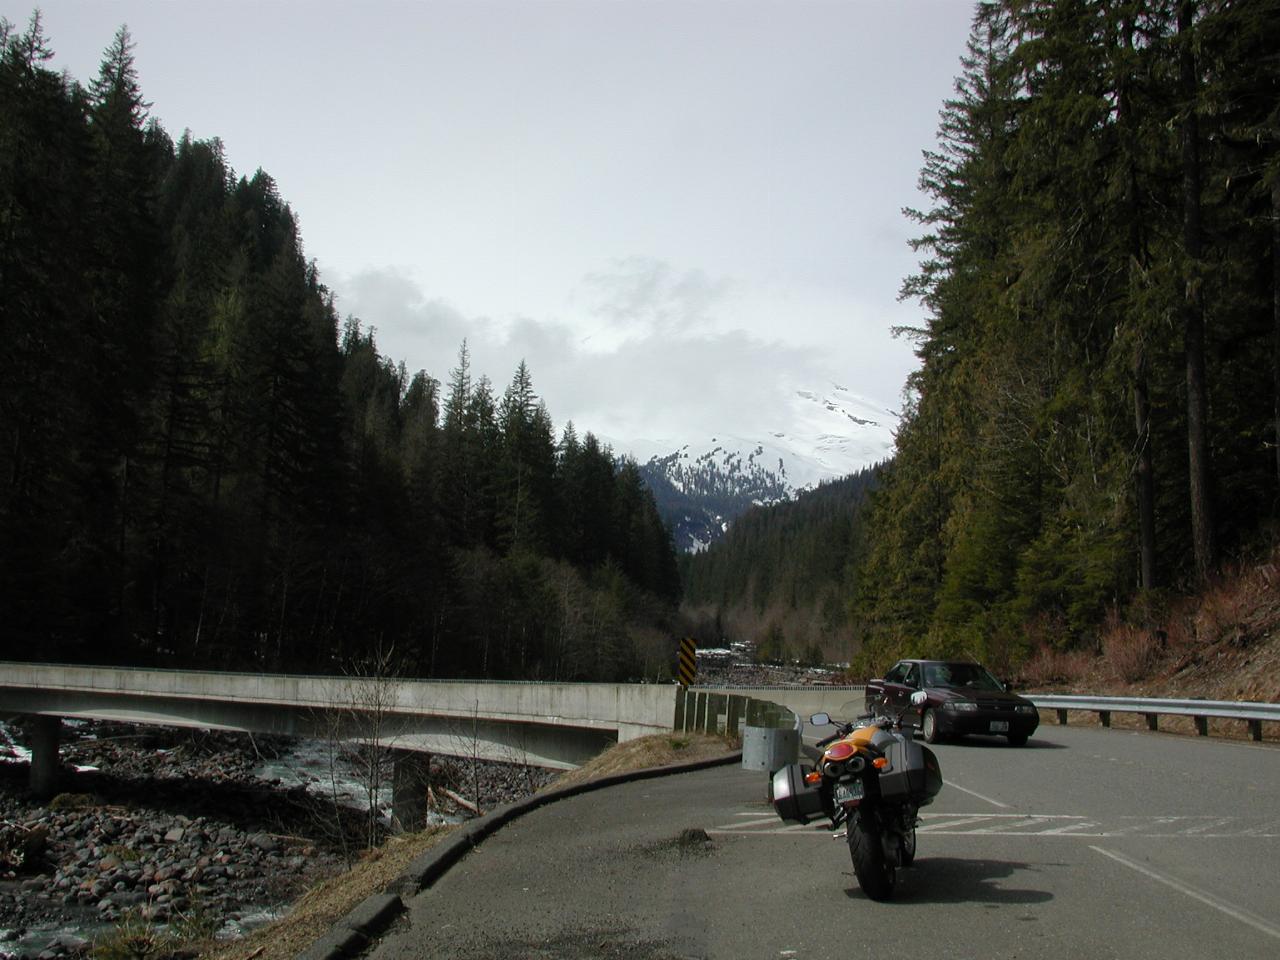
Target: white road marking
<point>1001,816</point>
<point>1213,822</point>
<point>1267,830</point>
<point>1144,823</point>
<point>756,818</point>
<point>974,793</point>
<point>729,829</point>
<point>1078,828</point>
<point>964,822</point>
<point>1249,919</point>
<point>1034,825</point>
<point>1017,825</point>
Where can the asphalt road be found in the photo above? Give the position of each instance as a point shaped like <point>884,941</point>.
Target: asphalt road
<point>1086,843</point>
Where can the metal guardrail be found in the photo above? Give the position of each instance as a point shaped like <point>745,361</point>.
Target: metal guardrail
<point>1154,707</point>
<point>778,686</point>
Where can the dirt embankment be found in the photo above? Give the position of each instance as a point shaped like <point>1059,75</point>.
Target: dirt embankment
<point>1220,644</point>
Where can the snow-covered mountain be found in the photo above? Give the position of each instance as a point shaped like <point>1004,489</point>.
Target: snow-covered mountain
<point>701,485</point>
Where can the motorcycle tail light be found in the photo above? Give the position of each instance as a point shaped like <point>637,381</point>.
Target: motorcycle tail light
<point>840,751</point>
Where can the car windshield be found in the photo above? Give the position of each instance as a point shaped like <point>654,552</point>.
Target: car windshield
<point>969,675</point>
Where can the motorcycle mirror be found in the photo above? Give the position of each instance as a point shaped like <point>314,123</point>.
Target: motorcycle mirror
<point>820,719</point>
<point>919,698</point>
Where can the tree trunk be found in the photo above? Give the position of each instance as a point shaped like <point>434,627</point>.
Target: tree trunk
<point>1144,468</point>
<point>1275,304</point>
<point>1145,473</point>
<point>1202,533</point>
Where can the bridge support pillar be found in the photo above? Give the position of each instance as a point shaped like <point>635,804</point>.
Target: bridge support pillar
<point>45,734</point>
<point>409,779</point>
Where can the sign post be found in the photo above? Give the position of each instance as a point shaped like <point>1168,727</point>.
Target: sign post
<point>687,667</point>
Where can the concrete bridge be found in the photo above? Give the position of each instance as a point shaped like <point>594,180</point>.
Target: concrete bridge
<point>558,725</point>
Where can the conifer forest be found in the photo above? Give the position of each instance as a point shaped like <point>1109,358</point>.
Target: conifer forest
<point>1093,425</point>
<point>202,465</point>
<point>1094,420</point>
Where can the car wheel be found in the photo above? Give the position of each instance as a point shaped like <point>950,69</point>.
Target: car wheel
<point>929,727</point>
<point>1017,739</point>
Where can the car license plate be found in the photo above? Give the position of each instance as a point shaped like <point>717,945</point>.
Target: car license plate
<point>999,726</point>
<point>848,791</point>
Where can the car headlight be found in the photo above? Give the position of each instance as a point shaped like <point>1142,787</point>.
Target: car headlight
<point>964,706</point>
<point>1026,708</point>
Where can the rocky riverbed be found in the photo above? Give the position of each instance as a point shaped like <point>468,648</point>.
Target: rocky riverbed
<point>175,827</point>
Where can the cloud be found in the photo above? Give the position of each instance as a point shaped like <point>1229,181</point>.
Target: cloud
<point>663,380</point>
<point>642,295</point>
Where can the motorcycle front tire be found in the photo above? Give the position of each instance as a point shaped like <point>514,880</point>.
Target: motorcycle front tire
<point>876,875</point>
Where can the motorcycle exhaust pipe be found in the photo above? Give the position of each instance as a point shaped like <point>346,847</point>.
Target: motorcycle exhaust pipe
<point>838,768</point>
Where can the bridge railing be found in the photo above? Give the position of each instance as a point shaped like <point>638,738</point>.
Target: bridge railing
<point>716,711</point>
<point>1152,708</point>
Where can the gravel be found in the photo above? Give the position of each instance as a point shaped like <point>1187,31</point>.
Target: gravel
<point>173,827</point>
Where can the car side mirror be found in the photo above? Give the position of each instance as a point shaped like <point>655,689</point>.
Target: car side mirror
<point>919,698</point>
<point>820,719</point>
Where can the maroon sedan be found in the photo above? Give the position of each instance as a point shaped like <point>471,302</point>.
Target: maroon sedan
<point>962,697</point>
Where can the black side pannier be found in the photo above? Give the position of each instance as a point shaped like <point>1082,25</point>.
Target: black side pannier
<point>913,772</point>
<point>794,800</point>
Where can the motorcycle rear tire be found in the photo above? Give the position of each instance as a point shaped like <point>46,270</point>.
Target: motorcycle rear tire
<point>908,848</point>
<point>876,875</point>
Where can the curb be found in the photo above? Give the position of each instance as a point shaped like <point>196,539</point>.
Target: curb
<point>368,920</point>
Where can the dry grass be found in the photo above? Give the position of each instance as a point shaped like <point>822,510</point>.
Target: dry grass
<point>1129,651</point>
<point>325,904</point>
<point>1050,667</point>
<point>658,750</point>
<point>1223,644</point>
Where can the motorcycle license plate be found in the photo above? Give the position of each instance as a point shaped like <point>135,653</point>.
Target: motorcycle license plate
<point>999,726</point>
<point>848,791</point>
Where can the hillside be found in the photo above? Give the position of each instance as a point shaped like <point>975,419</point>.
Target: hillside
<point>779,577</point>
<point>1222,644</point>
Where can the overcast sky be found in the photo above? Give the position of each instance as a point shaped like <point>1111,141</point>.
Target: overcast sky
<point>675,211</point>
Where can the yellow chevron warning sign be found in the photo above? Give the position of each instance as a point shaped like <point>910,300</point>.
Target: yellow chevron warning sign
<point>687,668</point>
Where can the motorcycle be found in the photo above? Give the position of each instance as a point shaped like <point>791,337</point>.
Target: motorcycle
<point>872,778</point>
